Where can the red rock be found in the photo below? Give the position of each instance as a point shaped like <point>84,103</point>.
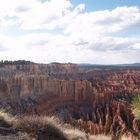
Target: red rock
<point>55,87</point>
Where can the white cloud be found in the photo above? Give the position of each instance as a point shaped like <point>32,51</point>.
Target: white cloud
<point>34,14</point>
<point>72,34</point>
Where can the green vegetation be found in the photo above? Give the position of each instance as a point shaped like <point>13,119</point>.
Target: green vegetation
<point>18,62</point>
<point>136,106</point>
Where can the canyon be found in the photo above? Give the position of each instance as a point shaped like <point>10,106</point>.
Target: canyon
<point>93,98</point>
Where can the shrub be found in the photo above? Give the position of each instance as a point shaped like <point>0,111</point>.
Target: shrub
<point>136,106</point>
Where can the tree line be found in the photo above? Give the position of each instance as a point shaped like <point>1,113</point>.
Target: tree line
<point>17,62</point>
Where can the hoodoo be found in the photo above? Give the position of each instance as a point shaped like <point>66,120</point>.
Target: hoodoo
<point>97,100</point>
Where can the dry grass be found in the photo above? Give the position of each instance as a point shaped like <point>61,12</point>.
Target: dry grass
<point>100,137</point>
<point>74,134</point>
<point>46,128</point>
<point>41,127</point>
<point>6,119</point>
<point>32,123</point>
<point>125,138</point>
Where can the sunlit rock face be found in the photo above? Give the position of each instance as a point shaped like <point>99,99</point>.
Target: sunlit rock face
<point>94,99</point>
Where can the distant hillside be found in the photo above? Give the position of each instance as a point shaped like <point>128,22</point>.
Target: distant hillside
<point>110,66</point>
<point>133,65</point>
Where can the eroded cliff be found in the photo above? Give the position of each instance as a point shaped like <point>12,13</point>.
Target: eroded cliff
<point>96,100</point>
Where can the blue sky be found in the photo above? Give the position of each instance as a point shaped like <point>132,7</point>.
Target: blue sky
<point>77,31</point>
<point>106,4</point>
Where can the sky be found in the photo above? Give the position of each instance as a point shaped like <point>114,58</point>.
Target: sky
<point>76,31</point>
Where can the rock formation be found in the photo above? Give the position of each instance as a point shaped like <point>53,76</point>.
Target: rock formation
<point>94,99</point>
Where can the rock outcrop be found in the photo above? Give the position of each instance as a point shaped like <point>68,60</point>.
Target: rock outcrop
<point>96,100</point>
